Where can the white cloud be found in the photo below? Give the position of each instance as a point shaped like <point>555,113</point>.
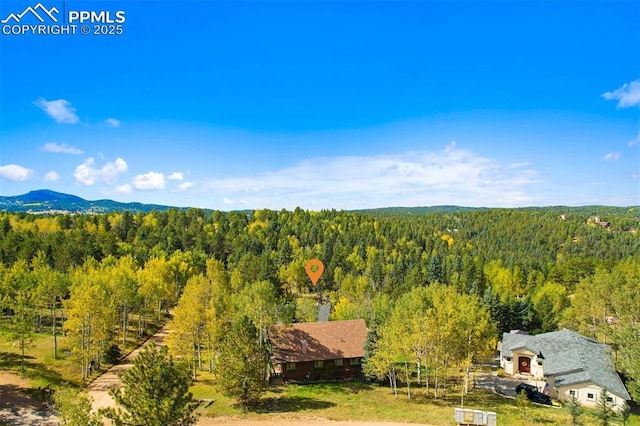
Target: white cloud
<point>628,95</point>
<point>86,174</point>
<point>15,172</point>
<point>149,181</point>
<point>113,122</point>
<point>519,165</point>
<point>611,156</point>
<point>449,176</point>
<point>635,141</point>
<point>60,110</point>
<point>51,176</point>
<point>61,148</point>
<point>183,186</point>
<point>176,176</point>
<point>124,189</point>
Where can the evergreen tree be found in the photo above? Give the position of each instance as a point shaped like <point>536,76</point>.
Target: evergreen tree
<point>241,366</point>
<point>155,392</point>
<point>604,412</point>
<point>575,410</point>
<point>74,409</point>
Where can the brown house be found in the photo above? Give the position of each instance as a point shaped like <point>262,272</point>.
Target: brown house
<point>313,351</point>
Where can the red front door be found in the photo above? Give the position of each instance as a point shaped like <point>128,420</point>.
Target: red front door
<point>524,364</point>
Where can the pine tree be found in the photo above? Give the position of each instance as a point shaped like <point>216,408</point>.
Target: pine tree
<point>241,366</point>
<point>74,409</point>
<point>155,392</point>
<point>604,412</point>
<point>575,410</point>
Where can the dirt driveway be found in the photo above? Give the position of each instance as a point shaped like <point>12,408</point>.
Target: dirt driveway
<point>99,388</point>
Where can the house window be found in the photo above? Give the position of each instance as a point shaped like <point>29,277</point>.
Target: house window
<point>573,392</point>
<point>291,366</point>
<point>355,361</point>
<point>591,396</point>
<point>508,359</point>
<point>338,362</point>
<point>318,364</point>
<point>609,399</point>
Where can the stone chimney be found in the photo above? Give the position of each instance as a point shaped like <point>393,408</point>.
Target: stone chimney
<point>304,346</point>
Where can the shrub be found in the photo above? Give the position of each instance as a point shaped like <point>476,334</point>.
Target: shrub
<point>113,354</point>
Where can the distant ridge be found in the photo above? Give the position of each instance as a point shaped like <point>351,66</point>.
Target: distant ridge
<point>47,201</point>
<point>587,210</point>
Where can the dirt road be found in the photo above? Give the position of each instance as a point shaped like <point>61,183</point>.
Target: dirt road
<point>99,388</point>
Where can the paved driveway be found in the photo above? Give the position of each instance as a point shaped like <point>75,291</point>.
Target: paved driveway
<point>503,385</point>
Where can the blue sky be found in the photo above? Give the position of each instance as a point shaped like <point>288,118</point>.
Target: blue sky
<point>329,104</point>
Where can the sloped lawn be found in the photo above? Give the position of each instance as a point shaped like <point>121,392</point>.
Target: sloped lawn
<point>366,402</point>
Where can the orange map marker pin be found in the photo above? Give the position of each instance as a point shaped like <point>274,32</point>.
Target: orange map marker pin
<point>314,268</point>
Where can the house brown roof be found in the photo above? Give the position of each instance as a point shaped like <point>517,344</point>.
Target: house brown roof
<point>312,341</point>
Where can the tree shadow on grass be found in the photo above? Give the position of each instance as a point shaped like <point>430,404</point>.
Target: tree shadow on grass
<point>39,371</point>
<point>9,360</point>
<point>32,370</point>
<point>349,387</point>
<point>336,387</point>
<point>288,404</point>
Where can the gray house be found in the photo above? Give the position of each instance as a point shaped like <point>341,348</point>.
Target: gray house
<point>571,363</point>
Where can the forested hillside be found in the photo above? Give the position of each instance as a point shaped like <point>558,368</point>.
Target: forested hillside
<point>535,269</point>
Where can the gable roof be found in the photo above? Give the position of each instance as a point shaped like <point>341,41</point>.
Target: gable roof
<point>512,341</point>
<point>324,340</point>
<point>571,358</point>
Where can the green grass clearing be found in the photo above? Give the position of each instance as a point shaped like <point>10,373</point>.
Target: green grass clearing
<point>356,401</point>
<point>41,368</point>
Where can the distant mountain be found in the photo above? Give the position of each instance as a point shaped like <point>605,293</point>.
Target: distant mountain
<point>46,201</point>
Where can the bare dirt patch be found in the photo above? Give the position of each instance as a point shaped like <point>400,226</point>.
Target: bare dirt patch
<point>18,406</point>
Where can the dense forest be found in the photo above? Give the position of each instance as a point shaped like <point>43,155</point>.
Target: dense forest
<point>537,269</point>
